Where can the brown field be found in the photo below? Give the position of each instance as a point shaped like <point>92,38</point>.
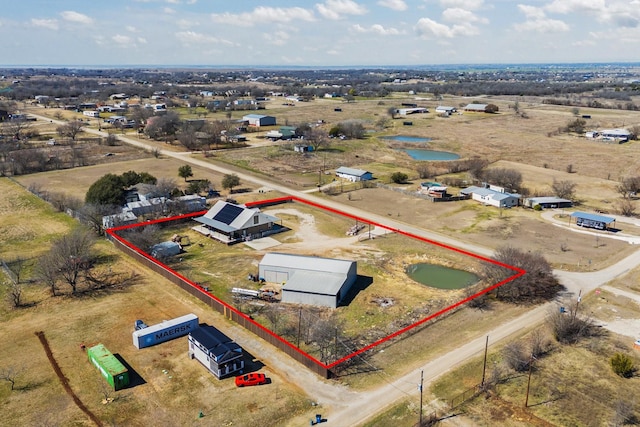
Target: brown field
<point>506,139</point>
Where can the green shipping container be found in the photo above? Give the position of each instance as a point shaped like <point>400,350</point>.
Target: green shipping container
<point>109,366</point>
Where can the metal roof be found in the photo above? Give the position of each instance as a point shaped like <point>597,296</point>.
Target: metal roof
<point>548,199</point>
<point>351,171</point>
<point>310,263</point>
<point>475,107</point>
<point>593,217</point>
<point>315,282</point>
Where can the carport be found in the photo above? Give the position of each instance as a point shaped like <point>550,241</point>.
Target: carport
<point>589,220</point>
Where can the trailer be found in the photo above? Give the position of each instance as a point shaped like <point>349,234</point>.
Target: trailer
<point>165,331</point>
<point>116,374</point>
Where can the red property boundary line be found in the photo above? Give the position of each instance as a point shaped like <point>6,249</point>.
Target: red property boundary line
<point>518,272</point>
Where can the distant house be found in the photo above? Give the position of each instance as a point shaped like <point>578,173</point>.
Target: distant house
<point>257,120</point>
<point>492,197</point>
<point>285,132</point>
<point>217,352</point>
<point>411,110</point>
<point>440,109</point>
<point>354,175</point>
<point>303,148</point>
<point>478,108</point>
<point>91,113</point>
<point>547,202</point>
<point>230,223</point>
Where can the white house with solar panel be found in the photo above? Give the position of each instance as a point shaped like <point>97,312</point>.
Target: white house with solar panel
<point>231,223</point>
<point>309,280</point>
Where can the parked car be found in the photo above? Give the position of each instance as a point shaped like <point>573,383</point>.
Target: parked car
<point>251,379</point>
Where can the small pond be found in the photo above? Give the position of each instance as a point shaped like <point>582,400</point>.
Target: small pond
<point>431,155</point>
<point>404,138</point>
<point>441,277</point>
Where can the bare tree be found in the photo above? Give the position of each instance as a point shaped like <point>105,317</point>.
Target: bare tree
<point>11,374</point>
<point>629,186</point>
<point>564,189</point>
<point>424,171</point>
<point>510,179</point>
<point>47,271</point>
<point>516,356</point>
<point>17,127</point>
<point>317,137</point>
<point>625,207</point>
<point>70,130</point>
<point>72,256</point>
<point>536,284</point>
<point>568,327</point>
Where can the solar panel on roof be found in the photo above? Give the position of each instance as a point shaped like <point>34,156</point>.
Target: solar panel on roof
<point>228,214</point>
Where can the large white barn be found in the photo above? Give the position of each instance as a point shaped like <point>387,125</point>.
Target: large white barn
<point>309,280</point>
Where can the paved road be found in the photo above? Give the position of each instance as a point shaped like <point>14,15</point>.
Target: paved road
<point>344,407</point>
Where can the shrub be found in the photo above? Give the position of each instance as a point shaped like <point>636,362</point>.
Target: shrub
<point>622,365</point>
<point>399,177</point>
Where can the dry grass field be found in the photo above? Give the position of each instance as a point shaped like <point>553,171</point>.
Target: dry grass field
<point>176,388</point>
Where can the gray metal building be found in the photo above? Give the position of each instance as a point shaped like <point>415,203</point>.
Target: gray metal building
<point>309,280</point>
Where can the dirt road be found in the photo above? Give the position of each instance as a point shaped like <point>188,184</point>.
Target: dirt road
<point>343,407</point>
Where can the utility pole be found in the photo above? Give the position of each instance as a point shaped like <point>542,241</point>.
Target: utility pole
<point>484,366</point>
<point>420,388</point>
<point>526,401</point>
<point>575,313</point>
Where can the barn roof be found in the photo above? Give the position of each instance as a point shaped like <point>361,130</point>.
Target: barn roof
<point>310,263</point>
<point>351,171</point>
<point>593,217</point>
<point>314,282</point>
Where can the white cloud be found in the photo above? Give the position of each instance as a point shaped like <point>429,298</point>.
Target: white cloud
<point>169,11</point>
<point>428,28</point>
<point>457,14</point>
<point>543,25</point>
<point>335,9</point>
<point>532,12</point>
<point>185,23</point>
<point>173,1</point>
<point>141,40</point>
<point>277,38</point>
<point>51,24</point>
<point>464,4</point>
<point>131,29</point>
<point>571,6</point>
<point>120,39</point>
<point>265,15</point>
<point>72,16</point>
<point>536,20</point>
<point>377,29</point>
<point>399,5</point>
<point>191,37</point>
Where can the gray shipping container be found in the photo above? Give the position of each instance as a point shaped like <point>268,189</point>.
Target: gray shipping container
<point>165,331</point>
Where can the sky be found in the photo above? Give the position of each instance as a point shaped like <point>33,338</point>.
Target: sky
<point>317,33</point>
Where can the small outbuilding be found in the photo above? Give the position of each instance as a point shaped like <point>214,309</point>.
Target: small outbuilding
<point>217,352</point>
<point>441,109</point>
<point>477,108</point>
<point>309,280</point>
<point>165,250</point>
<point>589,220</point>
<point>353,175</point>
<point>547,202</point>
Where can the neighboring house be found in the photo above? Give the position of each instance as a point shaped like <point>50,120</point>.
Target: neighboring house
<point>217,352</point>
<point>440,109</point>
<point>489,196</point>
<point>479,108</point>
<point>141,203</point>
<point>303,148</point>
<point>231,223</point>
<point>353,175</point>
<point>123,218</point>
<point>309,280</point>
<point>547,202</point>
<point>257,120</point>
<point>91,113</point>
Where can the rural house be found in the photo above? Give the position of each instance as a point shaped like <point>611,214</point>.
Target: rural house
<point>492,197</point>
<point>217,352</point>
<point>230,223</point>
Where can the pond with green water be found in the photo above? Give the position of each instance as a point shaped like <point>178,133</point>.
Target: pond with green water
<point>441,277</point>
